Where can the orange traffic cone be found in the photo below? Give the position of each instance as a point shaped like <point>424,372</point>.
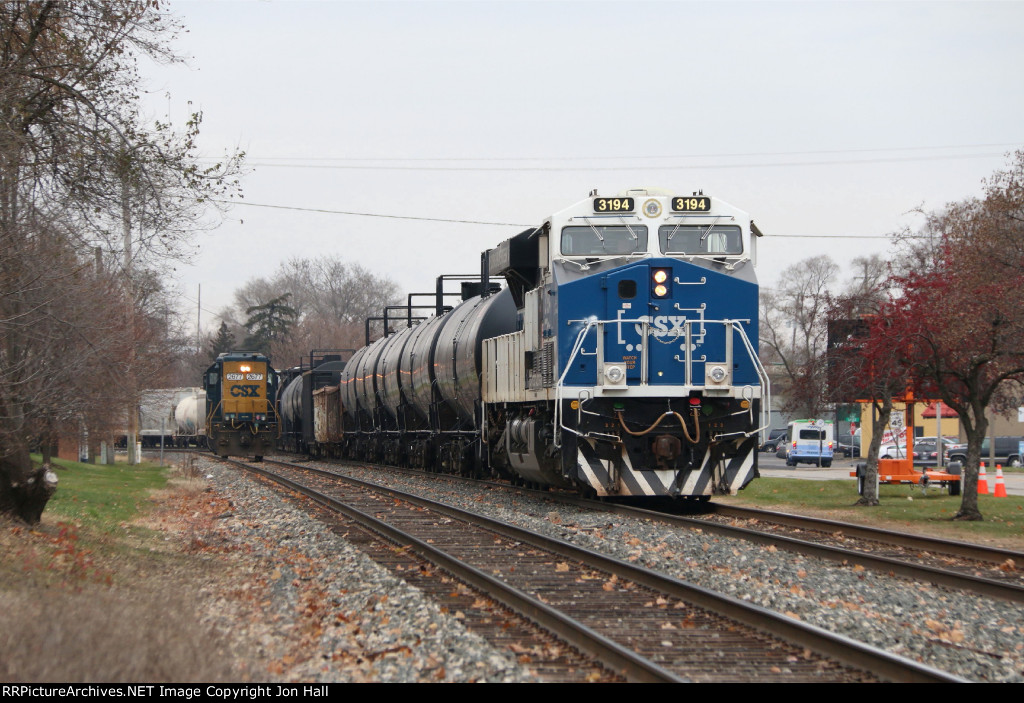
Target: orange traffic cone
<point>982,481</point>
<point>1000,483</point>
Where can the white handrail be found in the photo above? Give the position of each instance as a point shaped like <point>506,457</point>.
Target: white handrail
<point>734,324</point>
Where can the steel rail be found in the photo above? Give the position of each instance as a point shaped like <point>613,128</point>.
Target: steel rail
<point>980,585</point>
<point>839,647</point>
<point>631,665</point>
<point>966,550</point>
<point>943,577</point>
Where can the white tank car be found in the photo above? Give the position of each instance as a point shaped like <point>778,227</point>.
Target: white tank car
<point>189,416</point>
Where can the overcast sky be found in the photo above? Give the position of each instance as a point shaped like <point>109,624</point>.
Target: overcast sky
<point>828,120</point>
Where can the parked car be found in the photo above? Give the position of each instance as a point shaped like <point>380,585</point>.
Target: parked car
<point>1008,451</point>
<point>899,451</point>
<point>774,437</point>
<point>894,451</point>
<point>925,453</point>
<point>848,445</point>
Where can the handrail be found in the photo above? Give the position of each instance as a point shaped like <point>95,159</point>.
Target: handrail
<point>766,384</point>
<point>683,331</point>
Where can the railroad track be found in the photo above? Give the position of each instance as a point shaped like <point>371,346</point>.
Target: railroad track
<point>989,571</point>
<point>986,571</point>
<point>643,625</point>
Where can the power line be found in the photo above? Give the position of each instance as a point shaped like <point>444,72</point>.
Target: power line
<point>559,169</point>
<point>769,235</point>
<point>206,310</point>
<point>651,156</point>
<point>374,214</point>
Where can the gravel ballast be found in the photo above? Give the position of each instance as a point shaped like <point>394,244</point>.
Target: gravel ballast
<point>332,614</point>
<point>404,638</point>
<point>974,637</point>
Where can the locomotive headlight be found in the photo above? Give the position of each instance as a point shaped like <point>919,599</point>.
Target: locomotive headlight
<point>660,283</point>
<point>615,374</point>
<point>244,368</point>
<point>717,374</point>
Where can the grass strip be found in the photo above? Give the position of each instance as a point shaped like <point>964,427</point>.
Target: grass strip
<point>103,497</point>
<point>926,512</point>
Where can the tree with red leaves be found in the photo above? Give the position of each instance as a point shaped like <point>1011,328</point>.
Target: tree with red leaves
<point>958,323</point>
<point>862,368</point>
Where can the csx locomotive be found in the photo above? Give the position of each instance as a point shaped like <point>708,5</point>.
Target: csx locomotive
<point>620,358</point>
<point>241,417</point>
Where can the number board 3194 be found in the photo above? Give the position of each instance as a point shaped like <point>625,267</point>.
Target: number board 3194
<point>613,204</point>
<point>691,203</point>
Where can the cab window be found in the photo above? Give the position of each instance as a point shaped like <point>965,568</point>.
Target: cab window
<point>604,240</point>
<point>697,239</point>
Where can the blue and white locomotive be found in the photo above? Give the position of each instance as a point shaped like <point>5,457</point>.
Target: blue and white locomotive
<point>635,369</point>
<point>620,358</point>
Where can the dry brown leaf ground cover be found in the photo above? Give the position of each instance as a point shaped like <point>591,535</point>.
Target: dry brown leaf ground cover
<point>174,598</point>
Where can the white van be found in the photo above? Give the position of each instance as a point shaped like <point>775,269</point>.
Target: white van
<point>810,442</point>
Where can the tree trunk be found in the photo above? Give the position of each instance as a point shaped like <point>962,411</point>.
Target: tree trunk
<point>24,489</point>
<point>47,444</point>
<point>879,420</point>
<point>975,435</point>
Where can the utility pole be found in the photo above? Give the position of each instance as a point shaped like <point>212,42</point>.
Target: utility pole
<point>133,402</point>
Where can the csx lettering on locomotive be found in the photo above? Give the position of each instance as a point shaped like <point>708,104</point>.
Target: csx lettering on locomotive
<point>245,391</point>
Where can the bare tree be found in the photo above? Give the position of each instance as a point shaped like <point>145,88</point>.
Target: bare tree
<point>325,288</point>
<point>78,168</point>
<point>331,299</point>
<point>794,335</point>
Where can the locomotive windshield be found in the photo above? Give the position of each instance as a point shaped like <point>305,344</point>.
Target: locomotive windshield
<point>604,240</point>
<point>697,239</point>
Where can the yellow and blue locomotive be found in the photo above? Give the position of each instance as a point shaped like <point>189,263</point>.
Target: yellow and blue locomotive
<point>241,419</point>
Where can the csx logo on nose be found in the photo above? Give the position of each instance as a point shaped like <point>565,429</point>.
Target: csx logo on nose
<point>245,391</point>
<point>660,326</point>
